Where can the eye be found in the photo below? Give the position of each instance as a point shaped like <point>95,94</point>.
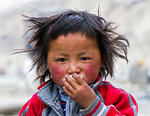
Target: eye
<point>61,60</point>
<point>84,58</point>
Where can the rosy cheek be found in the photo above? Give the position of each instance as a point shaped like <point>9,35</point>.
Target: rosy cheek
<point>57,73</point>
<point>91,72</point>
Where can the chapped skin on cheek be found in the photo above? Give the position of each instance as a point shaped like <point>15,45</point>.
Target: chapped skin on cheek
<point>91,72</point>
<point>57,73</point>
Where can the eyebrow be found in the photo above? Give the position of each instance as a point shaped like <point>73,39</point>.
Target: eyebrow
<point>79,54</point>
<point>63,54</point>
<point>82,53</point>
<point>85,53</point>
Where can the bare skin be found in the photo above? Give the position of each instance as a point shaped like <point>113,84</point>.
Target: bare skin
<point>79,91</point>
<point>75,54</point>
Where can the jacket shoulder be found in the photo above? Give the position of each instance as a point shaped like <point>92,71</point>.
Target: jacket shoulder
<point>118,97</point>
<point>42,85</point>
<point>32,107</point>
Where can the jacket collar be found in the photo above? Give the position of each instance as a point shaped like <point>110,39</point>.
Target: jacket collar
<point>50,96</point>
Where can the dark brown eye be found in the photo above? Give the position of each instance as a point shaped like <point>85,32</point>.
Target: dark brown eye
<point>84,58</point>
<point>61,60</point>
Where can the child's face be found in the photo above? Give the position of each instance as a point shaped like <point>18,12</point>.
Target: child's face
<point>74,53</point>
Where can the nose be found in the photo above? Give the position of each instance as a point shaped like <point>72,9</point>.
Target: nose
<point>73,67</point>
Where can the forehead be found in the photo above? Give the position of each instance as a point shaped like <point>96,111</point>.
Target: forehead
<point>73,41</point>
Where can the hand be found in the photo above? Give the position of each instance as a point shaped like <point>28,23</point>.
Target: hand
<point>79,91</point>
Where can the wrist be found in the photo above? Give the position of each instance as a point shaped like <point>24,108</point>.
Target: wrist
<point>89,101</point>
<point>94,105</point>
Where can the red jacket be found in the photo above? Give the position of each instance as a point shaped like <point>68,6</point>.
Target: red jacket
<point>110,101</point>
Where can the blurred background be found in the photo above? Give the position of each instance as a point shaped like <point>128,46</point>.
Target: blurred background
<point>132,18</point>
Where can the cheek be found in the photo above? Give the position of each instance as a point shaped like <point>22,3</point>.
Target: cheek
<point>91,72</point>
<point>57,73</point>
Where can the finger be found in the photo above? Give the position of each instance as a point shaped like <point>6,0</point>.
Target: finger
<point>67,92</point>
<point>68,86</point>
<point>72,82</point>
<point>78,78</point>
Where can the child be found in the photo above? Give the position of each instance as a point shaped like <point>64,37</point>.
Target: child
<point>74,50</point>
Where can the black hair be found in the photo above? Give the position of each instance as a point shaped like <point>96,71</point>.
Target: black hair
<point>46,29</point>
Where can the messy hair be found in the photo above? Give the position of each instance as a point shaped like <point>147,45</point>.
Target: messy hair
<point>46,29</point>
